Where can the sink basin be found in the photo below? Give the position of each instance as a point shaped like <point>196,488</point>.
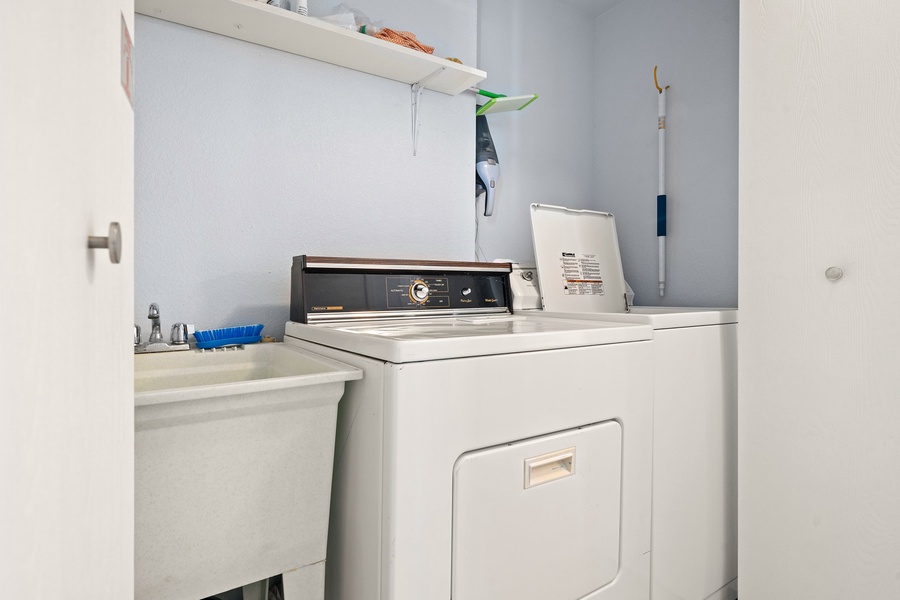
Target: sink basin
<point>233,460</point>
<point>173,376</point>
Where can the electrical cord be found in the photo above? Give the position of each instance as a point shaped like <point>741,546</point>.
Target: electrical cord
<point>479,251</point>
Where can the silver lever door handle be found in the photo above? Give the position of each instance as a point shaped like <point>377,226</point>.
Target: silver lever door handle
<point>113,242</point>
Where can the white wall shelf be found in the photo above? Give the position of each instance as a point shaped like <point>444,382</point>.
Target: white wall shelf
<point>259,23</point>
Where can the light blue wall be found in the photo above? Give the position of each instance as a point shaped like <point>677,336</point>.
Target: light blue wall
<point>546,151</point>
<point>246,156</point>
<point>695,44</point>
<point>590,141</point>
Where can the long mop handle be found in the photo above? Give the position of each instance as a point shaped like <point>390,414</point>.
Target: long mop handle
<point>661,196</point>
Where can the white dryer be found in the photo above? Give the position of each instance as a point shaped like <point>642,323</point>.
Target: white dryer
<point>483,454</point>
<point>694,538</point>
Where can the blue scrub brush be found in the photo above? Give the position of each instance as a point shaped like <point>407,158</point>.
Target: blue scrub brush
<point>228,336</point>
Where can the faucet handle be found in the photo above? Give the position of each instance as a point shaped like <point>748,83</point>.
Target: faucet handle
<point>137,335</point>
<point>179,334</point>
<point>154,311</point>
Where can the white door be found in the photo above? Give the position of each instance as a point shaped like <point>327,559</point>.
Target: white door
<point>66,395</point>
<point>819,383</point>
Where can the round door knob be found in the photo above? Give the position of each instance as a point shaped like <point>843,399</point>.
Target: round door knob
<point>113,242</point>
<point>833,273</point>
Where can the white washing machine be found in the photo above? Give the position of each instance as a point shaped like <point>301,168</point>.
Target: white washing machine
<point>694,537</point>
<point>483,454</point>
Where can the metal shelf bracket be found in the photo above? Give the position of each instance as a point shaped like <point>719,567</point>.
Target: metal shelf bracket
<point>416,90</point>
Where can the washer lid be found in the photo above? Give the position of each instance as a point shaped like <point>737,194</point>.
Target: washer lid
<point>578,262</point>
<point>414,340</point>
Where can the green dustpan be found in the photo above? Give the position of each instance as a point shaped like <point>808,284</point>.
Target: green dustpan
<point>501,103</point>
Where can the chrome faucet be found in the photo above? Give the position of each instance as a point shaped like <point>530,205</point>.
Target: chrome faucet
<point>155,332</point>
<point>156,343</point>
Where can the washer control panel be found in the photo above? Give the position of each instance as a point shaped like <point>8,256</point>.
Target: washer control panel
<point>326,289</point>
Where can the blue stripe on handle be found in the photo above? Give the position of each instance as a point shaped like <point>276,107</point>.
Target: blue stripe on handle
<point>661,215</point>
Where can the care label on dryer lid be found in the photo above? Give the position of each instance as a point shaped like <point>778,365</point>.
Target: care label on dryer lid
<point>581,274</point>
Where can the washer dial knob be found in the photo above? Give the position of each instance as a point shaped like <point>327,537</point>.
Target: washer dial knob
<point>418,291</point>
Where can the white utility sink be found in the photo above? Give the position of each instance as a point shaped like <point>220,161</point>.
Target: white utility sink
<point>233,459</point>
<point>173,376</point>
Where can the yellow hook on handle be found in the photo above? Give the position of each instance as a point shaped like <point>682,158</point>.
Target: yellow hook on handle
<point>656,81</point>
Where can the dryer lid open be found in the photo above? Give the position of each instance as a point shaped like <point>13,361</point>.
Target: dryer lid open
<point>578,262</point>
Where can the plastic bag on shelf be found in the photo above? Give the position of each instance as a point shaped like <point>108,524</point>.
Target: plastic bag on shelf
<point>344,15</point>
